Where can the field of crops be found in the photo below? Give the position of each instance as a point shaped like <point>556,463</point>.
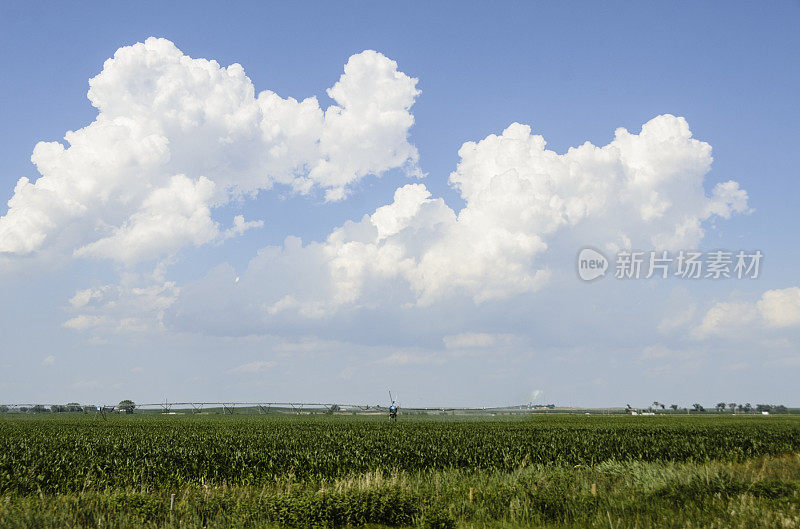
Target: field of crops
<point>341,470</point>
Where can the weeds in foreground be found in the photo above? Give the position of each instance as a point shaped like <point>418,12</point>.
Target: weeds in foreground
<point>760,492</point>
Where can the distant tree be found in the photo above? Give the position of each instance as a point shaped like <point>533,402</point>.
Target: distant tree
<point>3,409</point>
<point>73,407</point>
<point>38,409</point>
<point>127,406</point>
<point>720,406</point>
<point>674,407</point>
<point>748,407</point>
<point>697,407</point>
<point>57,408</point>
<point>656,404</point>
<point>732,406</point>
<point>23,409</point>
<point>763,407</point>
<point>780,408</point>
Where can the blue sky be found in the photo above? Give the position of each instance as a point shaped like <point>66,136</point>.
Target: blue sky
<point>573,73</point>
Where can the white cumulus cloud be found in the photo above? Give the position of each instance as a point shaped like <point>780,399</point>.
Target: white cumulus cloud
<point>522,202</point>
<point>775,309</point>
<point>176,136</point>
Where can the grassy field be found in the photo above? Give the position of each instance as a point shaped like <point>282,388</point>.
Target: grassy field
<point>67,470</point>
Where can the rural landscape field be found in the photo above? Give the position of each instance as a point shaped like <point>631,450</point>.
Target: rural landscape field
<point>430,265</point>
<point>76,470</point>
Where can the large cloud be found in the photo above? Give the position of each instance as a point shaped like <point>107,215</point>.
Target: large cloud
<point>522,202</point>
<point>176,136</point>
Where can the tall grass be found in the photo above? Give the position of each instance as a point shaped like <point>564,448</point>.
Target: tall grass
<point>762,492</point>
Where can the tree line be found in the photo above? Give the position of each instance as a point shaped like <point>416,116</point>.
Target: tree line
<point>126,406</point>
<point>720,407</point>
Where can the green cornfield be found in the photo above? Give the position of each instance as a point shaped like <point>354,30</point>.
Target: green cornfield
<point>272,469</point>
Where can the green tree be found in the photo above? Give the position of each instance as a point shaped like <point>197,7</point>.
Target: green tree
<point>127,406</point>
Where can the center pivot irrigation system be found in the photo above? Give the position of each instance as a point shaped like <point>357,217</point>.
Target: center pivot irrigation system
<point>228,407</point>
